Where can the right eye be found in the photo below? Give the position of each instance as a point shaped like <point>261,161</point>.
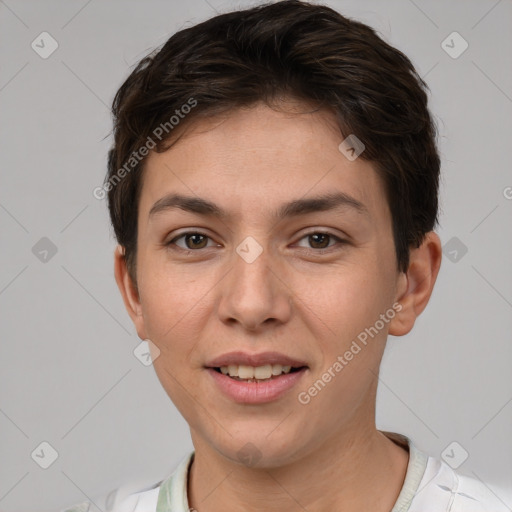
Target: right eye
<point>193,240</point>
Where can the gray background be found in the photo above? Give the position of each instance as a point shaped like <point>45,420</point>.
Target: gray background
<point>68,373</point>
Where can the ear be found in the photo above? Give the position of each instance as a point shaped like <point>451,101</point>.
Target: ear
<point>128,291</point>
<point>416,285</point>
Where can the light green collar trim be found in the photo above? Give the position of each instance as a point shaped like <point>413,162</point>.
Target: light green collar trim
<point>173,495</point>
<point>415,471</point>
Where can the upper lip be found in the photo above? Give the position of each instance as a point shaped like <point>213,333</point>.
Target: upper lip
<point>261,359</point>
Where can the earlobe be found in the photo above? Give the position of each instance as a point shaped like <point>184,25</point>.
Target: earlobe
<point>128,291</point>
<point>416,285</point>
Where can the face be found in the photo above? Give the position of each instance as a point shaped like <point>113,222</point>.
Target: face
<point>246,268</point>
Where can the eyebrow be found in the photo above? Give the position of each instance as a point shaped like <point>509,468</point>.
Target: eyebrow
<point>331,201</point>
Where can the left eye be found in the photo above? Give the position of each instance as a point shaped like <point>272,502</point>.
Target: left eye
<point>320,240</point>
<point>192,240</point>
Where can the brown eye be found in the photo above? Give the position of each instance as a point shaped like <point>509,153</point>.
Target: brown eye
<point>319,240</point>
<point>192,241</point>
<point>195,241</point>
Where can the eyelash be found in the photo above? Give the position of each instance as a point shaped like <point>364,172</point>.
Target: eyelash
<point>316,251</point>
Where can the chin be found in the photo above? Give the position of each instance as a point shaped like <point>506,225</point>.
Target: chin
<point>256,449</point>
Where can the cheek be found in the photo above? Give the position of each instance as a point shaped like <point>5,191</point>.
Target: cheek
<point>344,300</point>
<point>174,309</point>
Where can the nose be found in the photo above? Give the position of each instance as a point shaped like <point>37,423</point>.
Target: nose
<point>254,295</point>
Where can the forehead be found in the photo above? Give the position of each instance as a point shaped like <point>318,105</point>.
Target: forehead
<point>254,159</point>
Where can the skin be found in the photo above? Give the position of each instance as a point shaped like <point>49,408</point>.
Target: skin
<point>199,304</point>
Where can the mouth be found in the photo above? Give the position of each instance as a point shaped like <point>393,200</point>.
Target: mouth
<point>257,374</point>
<point>249,378</point>
<point>256,385</point>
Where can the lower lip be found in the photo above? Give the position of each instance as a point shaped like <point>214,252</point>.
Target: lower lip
<point>256,392</point>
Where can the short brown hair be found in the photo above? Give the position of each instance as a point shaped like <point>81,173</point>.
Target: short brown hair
<point>288,48</point>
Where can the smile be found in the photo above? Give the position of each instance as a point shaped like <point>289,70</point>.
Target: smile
<point>256,385</point>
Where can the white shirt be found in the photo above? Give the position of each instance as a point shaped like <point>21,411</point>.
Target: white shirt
<point>430,485</point>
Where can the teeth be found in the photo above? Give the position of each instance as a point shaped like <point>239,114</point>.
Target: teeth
<point>277,369</point>
<point>244,372</point>
<point>263,372</point>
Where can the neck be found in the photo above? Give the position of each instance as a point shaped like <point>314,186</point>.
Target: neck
<point>335,476</point>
